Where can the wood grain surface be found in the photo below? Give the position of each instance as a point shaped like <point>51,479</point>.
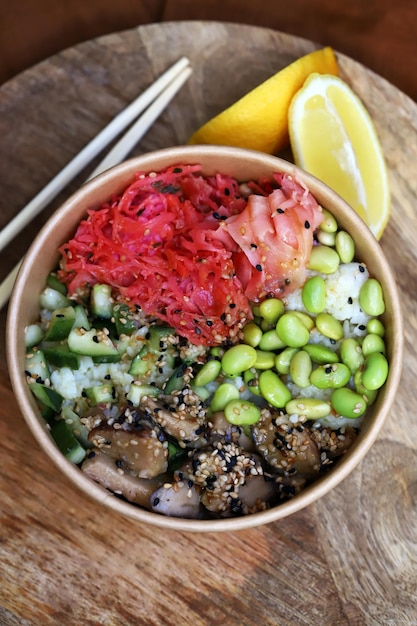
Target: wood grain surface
<point>349,559</point>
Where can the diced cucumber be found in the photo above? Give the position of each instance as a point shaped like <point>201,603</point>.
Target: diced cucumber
<point>124,319</point>
<point>67,442</point>
<point>158,335</point>
<point>47,396</point>
<point>36,365</point>
<point>176,381</point>
<point>143,363</point>
<point>101,301</point>
<point>100,394</point>
<point>81,319</point>
<point>73,421</point>
<point>61,356</point>
<point>137,392</point>
<point>91,343</point>
<point>54,282</point>
<point>60,324</point>
<point>51,299</point>
<point>33,335</point>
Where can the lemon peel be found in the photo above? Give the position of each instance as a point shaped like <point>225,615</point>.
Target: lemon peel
<point>259,120</point>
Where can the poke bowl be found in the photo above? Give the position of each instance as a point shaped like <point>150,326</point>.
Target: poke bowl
<point>205,338</point>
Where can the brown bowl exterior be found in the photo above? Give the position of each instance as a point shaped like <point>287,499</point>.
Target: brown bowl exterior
<point>42,257</point>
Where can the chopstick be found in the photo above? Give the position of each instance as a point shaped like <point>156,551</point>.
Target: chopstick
<point>166,86</point>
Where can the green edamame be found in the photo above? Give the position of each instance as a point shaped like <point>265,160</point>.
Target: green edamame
<point>251,379</point>
<point>264,360</point>
<point>271,341</point>
<point>241,412</point>
<point>329,223</point>
<point>323,259</point>
<point>373,343</point>
<point>310,408</point>
<point>345,246</point>
<point>252,334</point>
<point>348,403</point>
<point>321,354</point>
<point>301,368</point>
<point>332,375</point>
<point>376,327</point>
<point>329,326</point>
<point>271,309</point>
<point>273,389</point>
<point>209,372</point>
<point>371,297</point>
<point>238,358</point>
<point>225,393</point>
<point>327,239</point>
<point>292,331</point>
<point>368,394</point>
<point>351,354</point>
<point>305,318</point>
<point>375,371</point>
<point>283,360</point>
<point>314,294</point>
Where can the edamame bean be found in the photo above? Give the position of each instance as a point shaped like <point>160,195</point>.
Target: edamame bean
<point>345,246</point>
<point>305,318</point>
<point>327,239</point>
<point>252,381</point>
<point>225,393</point>
<point>292,331</point>
<point>321,354</point>
<point>329,326</point>
<point>301,368</point>
<point>209,372</point>
<point>264,360</point>
<point>368,394</point>
<point>332,375</point>
<point>375,371</point>
<point>329,223</point>
<point>241,412</point>
<point>348,403</point>
<point>310,408</point>
<point>351,354</point>
<point>273,389</point>
<point>252,334</point>
<point>238,358</point>
<point>314,294</point>
<point>283,360</point>
<point>271,341</point>
<point>323,259</point>
<point>371,298</point>
<point>373,343</point>
<point>376,327</point>
<point>271,309</point>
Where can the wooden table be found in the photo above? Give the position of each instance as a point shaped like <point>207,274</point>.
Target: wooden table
<point>349,559</point>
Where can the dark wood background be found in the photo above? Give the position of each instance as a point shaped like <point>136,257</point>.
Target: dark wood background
<point>381,34</point>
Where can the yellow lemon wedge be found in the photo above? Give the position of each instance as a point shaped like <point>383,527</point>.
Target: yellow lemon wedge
<point>259,120</point>
<point>333,137</point>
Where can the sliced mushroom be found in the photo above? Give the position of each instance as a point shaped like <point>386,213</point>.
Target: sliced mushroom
<point>257,492</point>
<point>333,442</point>
<point>221,429</point>
<point>181,415</point>
<point>177,499</point>
<point>286,447</point>
<point>101,468</point>
<point>138,442</point>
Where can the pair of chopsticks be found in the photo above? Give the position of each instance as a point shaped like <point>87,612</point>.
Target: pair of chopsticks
<point>151,103</point>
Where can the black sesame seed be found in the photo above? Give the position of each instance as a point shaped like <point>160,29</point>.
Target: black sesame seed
<point>59,315</point>
<point>91,454</point>
<point>362,327</point>
<point>232,305</point>
<point>95,339</point>
<point>177,170</point>
<point>361,268</point>
<point>223,317</point>
<point>155,501</point>
<point>198,330</point>
<point>253,245</point>
<point>227,192</point>
<point>258,267</point>
<point>279,210</point>
<point>209,322</point>
<point>307,224</point>
<point>216,215</point>
<point>350,300</point>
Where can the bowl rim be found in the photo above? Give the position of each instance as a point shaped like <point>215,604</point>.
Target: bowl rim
<point>157,160</point>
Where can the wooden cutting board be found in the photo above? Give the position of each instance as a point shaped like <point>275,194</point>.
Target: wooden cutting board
<point>349,559</point>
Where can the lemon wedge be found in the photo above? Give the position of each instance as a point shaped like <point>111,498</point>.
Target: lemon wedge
<point>259,120</point>
<point>333,137</point>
